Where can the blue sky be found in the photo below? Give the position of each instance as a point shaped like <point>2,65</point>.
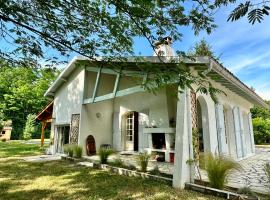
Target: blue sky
<point>244,48</point>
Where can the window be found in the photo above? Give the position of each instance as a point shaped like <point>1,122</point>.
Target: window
<point>129,127</point>
<point>3,132</point>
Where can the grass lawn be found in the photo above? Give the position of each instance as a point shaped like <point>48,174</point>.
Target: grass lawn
<point>263,145</point>
<point>63,180</point>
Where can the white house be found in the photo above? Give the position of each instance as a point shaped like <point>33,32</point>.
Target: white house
<point>95,105</point>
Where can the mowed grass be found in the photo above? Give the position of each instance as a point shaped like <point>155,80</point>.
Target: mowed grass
<point>63,180</point>
<point>19,148</point>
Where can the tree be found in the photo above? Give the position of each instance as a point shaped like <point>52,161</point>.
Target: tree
<point>261,124</point>
<point>29,128</point>
<point>261,130</point>
<point>202,48</point>
<point>104,28</point>
<point>259,112</point>
<point>22,93</point>
<point>255,11</point>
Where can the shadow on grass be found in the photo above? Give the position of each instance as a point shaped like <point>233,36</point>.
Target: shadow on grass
<point>63,180</point>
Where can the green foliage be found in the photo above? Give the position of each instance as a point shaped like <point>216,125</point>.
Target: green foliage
<point>202,48</point>
<point>246,191</point>
<point>97,28</point>
<point>255,11</point>
<point>142,160</point>
<point>261,124</point>
<point>104,153</point>
<point>267,171</point>
<point>77,151</point>
<point>69,149</point>
<point>195,143</point>
<point>218,168</point>
<point>261,129</point>
<point>259,112</point>
<point>22,93</point>
<point>118,163</point>
<point>1,126</point>
<point>29,128</point>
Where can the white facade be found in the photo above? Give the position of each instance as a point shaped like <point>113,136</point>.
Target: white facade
<point>116,111</point>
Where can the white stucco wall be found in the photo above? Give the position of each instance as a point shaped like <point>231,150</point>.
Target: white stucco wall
<point>96,120</point>
<point>68,98</point>
<point>152,109</point>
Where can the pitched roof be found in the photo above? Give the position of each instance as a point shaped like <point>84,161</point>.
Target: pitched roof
<point>215,71</point>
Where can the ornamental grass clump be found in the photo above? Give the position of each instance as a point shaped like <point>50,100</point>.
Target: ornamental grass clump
<point>218,167</point>
<point>104,153</point>
<point>68,150</point>
<point>77,151</point>
<point>142,160</point>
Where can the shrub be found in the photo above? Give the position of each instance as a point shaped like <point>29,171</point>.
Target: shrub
<point>29,128</point>
<point>68,149</point>
<point>4,140</point>
<point>261,130</point>
<point>118,163</point>
<point>104,153</point>
<point>267,171</point>
<point>142,160</point>
<point>1,126</point>
<point>77,151</point>
<point>131,167</point>
<point>246,191</point>
<point>218,169</point>
<point>155,171</point>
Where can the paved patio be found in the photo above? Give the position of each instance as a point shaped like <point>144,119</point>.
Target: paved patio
<point>252,175</point>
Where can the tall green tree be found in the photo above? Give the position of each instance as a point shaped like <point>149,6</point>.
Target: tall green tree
<point>107,28</point>
<point>202,48</point>
<point>261,124</point>
<point>22,93</point>
<point>29,128</point>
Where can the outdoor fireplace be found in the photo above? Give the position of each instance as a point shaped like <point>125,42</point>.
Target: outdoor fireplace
<point>158,141</point>
<point>161,143</point>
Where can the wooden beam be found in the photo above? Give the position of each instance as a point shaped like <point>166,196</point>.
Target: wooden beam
<point>114,72</point>
<point>129,91</point>
<point>44,124</point>
<point>116,84</point>
<point>104,70</point>
<point>120,93</point>
<point>96,85</point>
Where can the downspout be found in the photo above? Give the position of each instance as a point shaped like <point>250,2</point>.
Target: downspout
<point>210,67</point>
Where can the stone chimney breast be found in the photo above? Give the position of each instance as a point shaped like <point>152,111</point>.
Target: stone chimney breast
<point>164,48</point>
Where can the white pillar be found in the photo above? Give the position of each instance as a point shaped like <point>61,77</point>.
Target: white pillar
<point>251,133</point>
<point>182,172</point>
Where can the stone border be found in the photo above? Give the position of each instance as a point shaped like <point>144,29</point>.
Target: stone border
<point>216,192</point>
<point>127,172</point>
<point>118,170</point>
<point>64,157</point>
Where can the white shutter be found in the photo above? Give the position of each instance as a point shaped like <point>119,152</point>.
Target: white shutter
<point>237,132</point>
<point>222,145</point>
<point>143,139</point>
<point>116,132</point>
<point>243,140</point>
<point>251,133</point>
